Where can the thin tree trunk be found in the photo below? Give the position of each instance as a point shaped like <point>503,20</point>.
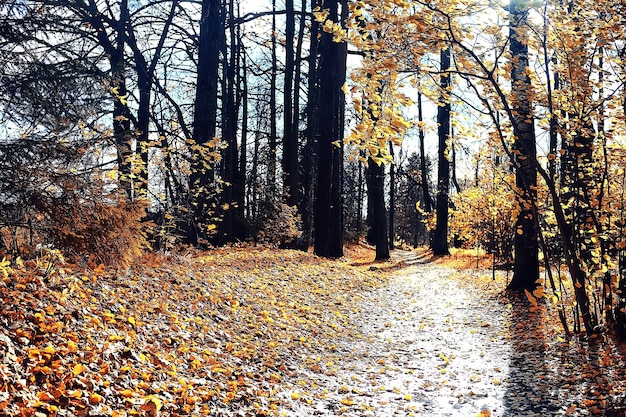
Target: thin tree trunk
<point>273,138</point>
<point>230,113</point>
<point>309,176</point>
<point>240,190</point>
<point>428,201</point>
<point>392,198</point>
<point>290,138</point>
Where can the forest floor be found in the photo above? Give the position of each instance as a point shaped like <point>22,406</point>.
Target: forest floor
<point>257,331</point>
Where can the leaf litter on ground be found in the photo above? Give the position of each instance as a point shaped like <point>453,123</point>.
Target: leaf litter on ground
<point>250,331</point>
<point>206,333</point>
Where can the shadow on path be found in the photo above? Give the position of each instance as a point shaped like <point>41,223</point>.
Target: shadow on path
<point>533,383</point>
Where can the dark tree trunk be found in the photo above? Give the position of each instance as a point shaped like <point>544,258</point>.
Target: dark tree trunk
<point>290,139</point>
<point>309,153</point>
<point>205,118</point>
<point>439,244</point>
<point>526,266</point>
<point>272,142</point>
<point>392,198</point>
<point>230,113</point>
<point>378,218</point>
<point>360,194</point>
<point>332,74</point>
<point>121,124</point>
<point>428,201</point>
<point>240,189</point>
<point>455,181</point>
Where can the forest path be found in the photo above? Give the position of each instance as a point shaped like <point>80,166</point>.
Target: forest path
<point>438,341</point>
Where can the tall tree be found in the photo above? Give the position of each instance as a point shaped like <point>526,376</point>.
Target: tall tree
<point>231,99</point>
<point>290,118</point>
<point>428,201</point>
<point>439,244</point>
<point>202,177</point>
<point>312,132</point>
<point>526,266</point>
<point>331,110</point>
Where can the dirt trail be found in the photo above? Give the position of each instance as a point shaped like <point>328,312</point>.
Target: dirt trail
<point>431,345</point>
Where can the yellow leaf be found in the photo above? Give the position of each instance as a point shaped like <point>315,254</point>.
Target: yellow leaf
<point>78,369</point>
<point>127,393</point>
<point>71,346</point>
<point>408,397</point>
<point>295,396</point>
<point>347,401</point>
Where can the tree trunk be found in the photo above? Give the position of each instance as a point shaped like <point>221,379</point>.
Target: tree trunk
<point>205,119</point>
<point>240,189</point>
<point>271,163</point>
<point>526,266</point>
<point>439,244</point>
<point>312,134</point>
<point>428,201</point>
<point>392,197</point>
<point>332,74</point>
<point>230,113</point>
<point>291,190</point>
<point>378,218</point>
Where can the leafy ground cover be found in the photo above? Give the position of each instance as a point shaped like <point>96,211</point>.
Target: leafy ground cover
<point>256,331</point>
<point>214,333</point>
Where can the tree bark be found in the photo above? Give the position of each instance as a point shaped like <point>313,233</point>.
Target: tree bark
<point>309,175</point>
<point>392,197</point>
<point>378,217</point>
<point>439,244</point>
<point>526,244</point>
<point>205,120</point>
<point>290,136</point>
<point>428,201</point>
<point>329,203</point>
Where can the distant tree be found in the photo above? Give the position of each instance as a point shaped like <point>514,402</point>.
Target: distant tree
<point>377,234</point>
<point>409,208</point>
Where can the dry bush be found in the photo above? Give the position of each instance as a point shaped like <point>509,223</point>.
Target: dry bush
<point>89,224</point>
<point>107,231</point>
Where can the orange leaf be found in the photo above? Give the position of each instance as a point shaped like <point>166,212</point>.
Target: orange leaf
<point>95,398</point>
